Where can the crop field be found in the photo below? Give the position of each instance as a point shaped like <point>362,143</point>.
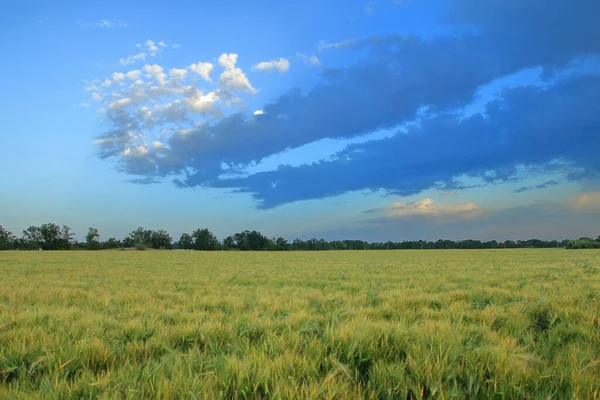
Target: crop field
<point>451,324</point>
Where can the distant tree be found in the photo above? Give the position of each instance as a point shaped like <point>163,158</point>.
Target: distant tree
<point>7,239</point>
<point>92,239</point>
<point>32,238</point>
<point>140,235</point>
<point>228,243</point>
<point>66,238</point>
<point>205,240</point>
<point>161,239</point>
<point>112,243</point>
<point>186,242</point>
<point>281,244</point>
<point>51,236</point>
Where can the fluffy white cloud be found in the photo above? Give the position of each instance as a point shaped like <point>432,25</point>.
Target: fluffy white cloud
<point>157,144</point>
<point>152,48</point>
<point>120,103</point>
<point>282,65</point>
<point>118,77</point>
<point>133,75</point>
<point>228,61</point>
<point>233,78</point>
<point>202,103</point>
<point>96,96</point>
<point>178,73</point>
<point>203,69</point>
<point>259,112</point>
<point>155,71</point>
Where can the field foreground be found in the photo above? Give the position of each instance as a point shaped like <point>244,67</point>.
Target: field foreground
<point>354,324</point>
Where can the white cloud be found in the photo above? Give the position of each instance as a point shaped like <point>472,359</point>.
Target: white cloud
<point>176,46</point>
<point>157,144</point>
<point>96,96</point>
<point>203,103</point>
<point>233,78</point>
<point>133,75</point>
<point>152,48</point>
<point>310,60</point>
<point>132,59</point>
<point>259,112</point>
<point>324,45</point>
<point>203,69</point>
<point>228,61</point>
<point>107,83</point>
<point>178,73</point>
<point>282,65</point>
<point>118,77</point>
<point>121,103</point>
<point>155,71</point>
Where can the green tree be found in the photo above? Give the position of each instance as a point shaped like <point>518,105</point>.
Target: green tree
<point>186,241</point>
<point>140,235</point>
<point>7,239</point>
<point>281,244</point>
<point>66,238</point>
<point>228,243</point>
<point>32,238</point>
<point>205,240</point>
<point>112,243</point>
<point>160,239</point>
<point>93,239</point>
<point>51,236</point>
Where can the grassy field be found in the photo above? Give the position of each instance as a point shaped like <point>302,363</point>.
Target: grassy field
<point>391,324</point>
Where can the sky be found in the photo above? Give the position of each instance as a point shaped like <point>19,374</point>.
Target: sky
<point>376,120</point>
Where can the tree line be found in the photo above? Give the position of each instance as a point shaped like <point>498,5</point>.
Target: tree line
<point>51,236</point>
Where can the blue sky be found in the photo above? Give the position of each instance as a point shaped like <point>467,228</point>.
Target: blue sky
<point>378,120</point>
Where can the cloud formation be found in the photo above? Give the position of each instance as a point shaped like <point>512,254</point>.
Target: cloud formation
<point>151,49</point>
<point>281,65</point>
<point>397,78</point>
<point>233,78</point>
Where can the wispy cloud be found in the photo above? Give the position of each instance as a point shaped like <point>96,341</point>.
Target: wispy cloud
<point>540,186</point>
<point>324,45</point>
<point>310,60</point>
<point>105,23</point>
<point>150,49</point>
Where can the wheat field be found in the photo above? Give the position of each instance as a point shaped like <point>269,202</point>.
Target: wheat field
<point>448,324</point>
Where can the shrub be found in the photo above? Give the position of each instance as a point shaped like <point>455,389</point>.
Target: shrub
<point>140,246</point>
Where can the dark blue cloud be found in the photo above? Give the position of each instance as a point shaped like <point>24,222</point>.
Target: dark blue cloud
<point>529,126</point>
<point>396,78</point>
<point>544,185</point>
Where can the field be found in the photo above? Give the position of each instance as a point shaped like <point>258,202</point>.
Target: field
<point>355,324</point>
